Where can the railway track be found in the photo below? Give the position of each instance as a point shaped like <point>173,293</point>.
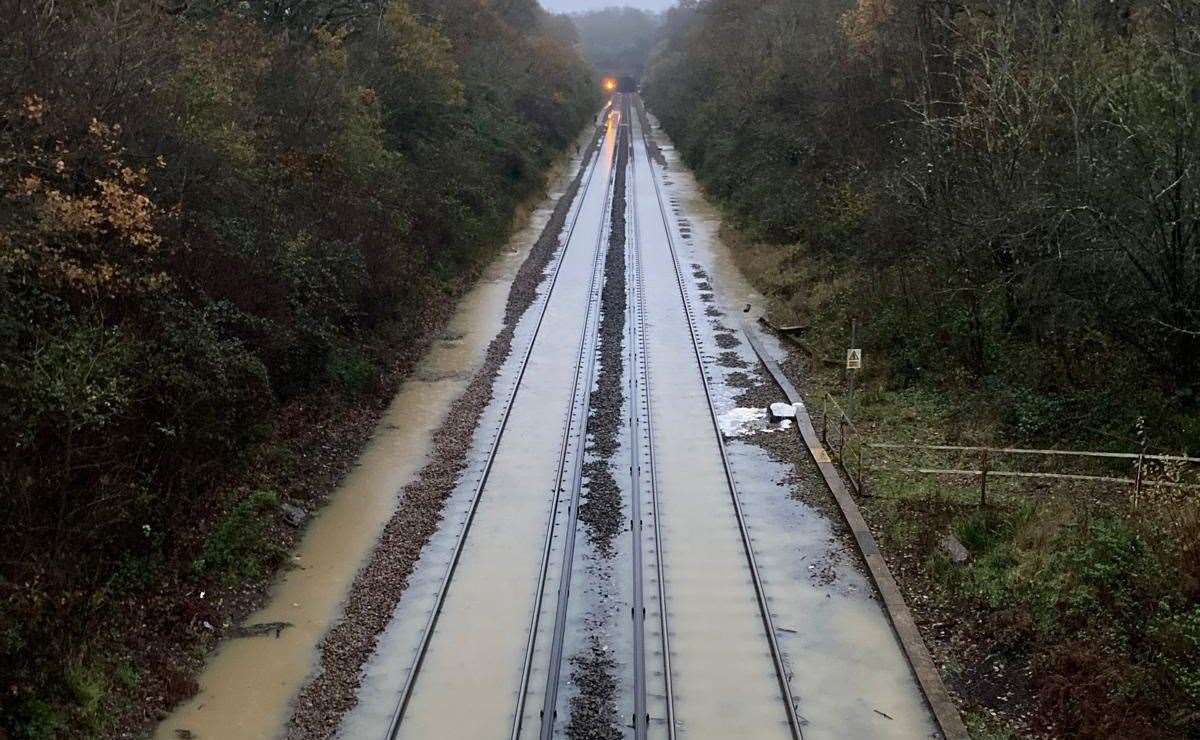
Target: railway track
<point>569,486</point>
<point>781,672</point>
<point>644,490</point>
<point>653,699</point>
<point>414,671</point>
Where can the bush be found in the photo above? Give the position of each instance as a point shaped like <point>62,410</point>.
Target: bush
<point>239,549</point>
<point>352,371</point>
<point>263,205</point>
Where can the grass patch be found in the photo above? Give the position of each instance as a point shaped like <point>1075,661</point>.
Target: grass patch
<point>352,371</point>
<point>238,549</point>
<point>88,687</point>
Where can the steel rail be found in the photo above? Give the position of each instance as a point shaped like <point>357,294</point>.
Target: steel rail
<point>638,610</point>
<point>553,672</point>
<point>440,600</point>
<point>642,419</point>
<point>574,429</point>
<point>759,592</point>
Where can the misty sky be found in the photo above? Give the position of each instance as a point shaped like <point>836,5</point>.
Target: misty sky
<point>571,6</point>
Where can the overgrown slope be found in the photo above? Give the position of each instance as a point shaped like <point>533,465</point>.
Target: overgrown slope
<point>1007,193</point>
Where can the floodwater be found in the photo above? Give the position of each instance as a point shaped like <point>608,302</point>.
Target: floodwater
<point>846,674</point>
<point>477,648</point>
<point>847,671</point>
<point>724,677</point>
<point>248,683</point>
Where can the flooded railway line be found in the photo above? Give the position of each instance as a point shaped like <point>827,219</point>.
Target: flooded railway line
<point>769,634</point>
<point>661,625</point>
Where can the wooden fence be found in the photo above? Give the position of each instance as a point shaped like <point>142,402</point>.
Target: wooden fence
<point>853,454</point>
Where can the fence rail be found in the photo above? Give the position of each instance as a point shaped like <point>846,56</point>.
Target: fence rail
<point>847,432</point>
<point>851,452</point>
<point>1020,451</point>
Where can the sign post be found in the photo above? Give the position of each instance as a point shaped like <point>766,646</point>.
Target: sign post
<point>853,364</point>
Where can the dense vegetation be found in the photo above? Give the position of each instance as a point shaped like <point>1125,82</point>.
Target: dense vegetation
<point>213,211</point>
<point>1029,169</point>
<point>1006,196</point>
<point>617,41</point>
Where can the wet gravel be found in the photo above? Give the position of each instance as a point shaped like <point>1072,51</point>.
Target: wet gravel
<point>600,511</point>
<point>731,359</point>
<point>758,390</point>
<point>381,582</point>
<point>593,707</point>
<point>740,380</point>
<point>727,340</point>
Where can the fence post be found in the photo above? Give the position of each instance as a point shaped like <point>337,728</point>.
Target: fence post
<point>1137,480</point>
<point>983,471</point>
<point>825,420</point>
<point>842,438</point>
<point>860,466</point>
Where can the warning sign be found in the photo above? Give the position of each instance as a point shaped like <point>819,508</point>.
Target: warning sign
<point>854,359</point>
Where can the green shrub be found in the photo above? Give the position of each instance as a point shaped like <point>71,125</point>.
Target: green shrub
<point>238,550</point>
<point>36,719</point>
<point>353,371</point>
<point>88,687</point>
<point>1032,415</point>
<point>127,675</point>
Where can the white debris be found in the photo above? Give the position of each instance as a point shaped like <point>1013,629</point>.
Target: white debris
<point>780,411</point>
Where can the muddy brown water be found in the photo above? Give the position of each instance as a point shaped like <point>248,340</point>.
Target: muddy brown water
<point>478,645</point>
<point>248,684</point>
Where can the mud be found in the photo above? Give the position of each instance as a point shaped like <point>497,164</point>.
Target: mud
<point>380,583</point>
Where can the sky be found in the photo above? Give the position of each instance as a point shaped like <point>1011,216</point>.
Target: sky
<point>572,6</point>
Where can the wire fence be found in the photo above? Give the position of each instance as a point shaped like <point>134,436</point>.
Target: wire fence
<point>986,466</point>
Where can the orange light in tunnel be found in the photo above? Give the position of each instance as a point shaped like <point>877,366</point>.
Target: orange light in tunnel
<point>610,84</point>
